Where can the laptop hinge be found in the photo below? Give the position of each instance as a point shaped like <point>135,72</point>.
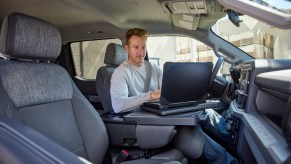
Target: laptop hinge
<point>164,101</point>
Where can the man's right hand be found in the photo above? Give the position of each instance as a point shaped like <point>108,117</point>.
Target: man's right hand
<point>155,95</point>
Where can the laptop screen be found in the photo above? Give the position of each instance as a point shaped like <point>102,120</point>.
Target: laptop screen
<point>185,81</point>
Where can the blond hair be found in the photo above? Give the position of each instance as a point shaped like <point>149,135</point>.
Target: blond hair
<point>137,32</point>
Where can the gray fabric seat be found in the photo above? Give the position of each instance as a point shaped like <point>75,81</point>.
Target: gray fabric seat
<point>114,56</point>
<point>43,96</point>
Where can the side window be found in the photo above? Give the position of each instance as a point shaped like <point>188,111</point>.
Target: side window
<point>162,49</point>
<point>89,56</point>
<point>178,49</point>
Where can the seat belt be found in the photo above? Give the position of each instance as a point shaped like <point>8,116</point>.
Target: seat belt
<point>126,155</point>
<point>122,156</point>
<point>148,69</point>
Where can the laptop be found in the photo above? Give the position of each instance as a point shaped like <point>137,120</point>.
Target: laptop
<point>184,84</point>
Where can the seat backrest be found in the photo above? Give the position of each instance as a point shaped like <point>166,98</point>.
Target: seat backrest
<point>41,94</point>
<point>114,56</point>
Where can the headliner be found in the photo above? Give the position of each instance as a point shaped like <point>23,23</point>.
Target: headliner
<point>95,19</point>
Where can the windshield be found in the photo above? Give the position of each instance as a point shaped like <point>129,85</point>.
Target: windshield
<point>258,39</point>
<point>279,5</point>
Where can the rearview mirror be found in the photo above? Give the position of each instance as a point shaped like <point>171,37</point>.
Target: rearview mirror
<point>261,11</point>
<point>234,17</point>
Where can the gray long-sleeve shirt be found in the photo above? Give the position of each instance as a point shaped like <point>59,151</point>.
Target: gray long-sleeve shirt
<point>131,85</point>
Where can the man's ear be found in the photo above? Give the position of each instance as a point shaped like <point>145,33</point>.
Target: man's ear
<point>126,48</point>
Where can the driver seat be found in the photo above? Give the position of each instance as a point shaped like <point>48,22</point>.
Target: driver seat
<point>114,56</point>
<point>42,95</point>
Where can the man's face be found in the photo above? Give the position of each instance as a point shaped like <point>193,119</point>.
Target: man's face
<point>136,50</point>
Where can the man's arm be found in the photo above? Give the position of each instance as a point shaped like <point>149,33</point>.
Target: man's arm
<point>119,93</point>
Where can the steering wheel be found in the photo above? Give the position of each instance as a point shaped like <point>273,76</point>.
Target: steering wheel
<point>216,69</point>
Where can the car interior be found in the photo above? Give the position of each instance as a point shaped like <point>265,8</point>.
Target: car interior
<point>57,58</point>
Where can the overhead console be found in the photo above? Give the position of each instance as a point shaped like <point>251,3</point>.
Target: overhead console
<point>188,14</point>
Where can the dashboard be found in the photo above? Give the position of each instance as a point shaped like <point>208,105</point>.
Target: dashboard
<point>243,72</point>
<point>262,106</point>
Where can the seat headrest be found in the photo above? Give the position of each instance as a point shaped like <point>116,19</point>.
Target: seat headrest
<point>27,37</point>
<point>115,54</point>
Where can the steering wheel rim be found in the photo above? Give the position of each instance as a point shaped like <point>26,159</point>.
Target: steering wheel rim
<point>216,69</point>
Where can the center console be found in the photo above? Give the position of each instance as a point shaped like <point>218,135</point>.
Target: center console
<point>140,128</point>
<point>148,131</point>
<point>261,110</point>
<point>241,75</point>
<point>244,71</point>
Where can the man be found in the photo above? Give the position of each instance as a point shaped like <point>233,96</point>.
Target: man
<point>136,81</point>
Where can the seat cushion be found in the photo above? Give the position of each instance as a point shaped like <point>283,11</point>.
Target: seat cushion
<point>33,83</point>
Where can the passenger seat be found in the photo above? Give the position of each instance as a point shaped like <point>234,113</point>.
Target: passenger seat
<point>43,96</point>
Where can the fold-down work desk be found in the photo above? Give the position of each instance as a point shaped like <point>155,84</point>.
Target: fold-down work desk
<point>130,128</point>
<point>147,118</point>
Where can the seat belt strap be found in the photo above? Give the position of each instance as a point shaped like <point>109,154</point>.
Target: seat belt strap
<point>121,157</point>
<point>148,69</point>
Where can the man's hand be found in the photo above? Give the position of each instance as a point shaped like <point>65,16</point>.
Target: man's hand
<point>155,95</point>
